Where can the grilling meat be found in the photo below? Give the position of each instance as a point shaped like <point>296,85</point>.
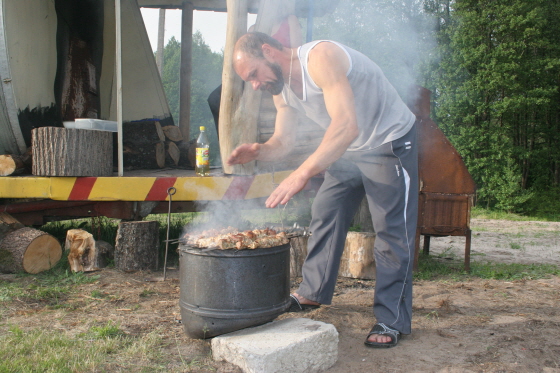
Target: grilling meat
<point>230,238</point>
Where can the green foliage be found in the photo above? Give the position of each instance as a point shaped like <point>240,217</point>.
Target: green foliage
<point>497,95</point>
<point>206,76</point>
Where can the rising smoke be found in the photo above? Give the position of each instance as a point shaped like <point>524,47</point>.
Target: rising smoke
<point>397,35</point>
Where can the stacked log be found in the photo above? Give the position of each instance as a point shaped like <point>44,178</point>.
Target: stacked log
<point>143,145</point>
<point>180,151</point>
<point>26,249</point>
<point>148,145</point>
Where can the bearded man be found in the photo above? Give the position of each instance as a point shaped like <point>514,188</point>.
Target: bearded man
<point>369,149</point>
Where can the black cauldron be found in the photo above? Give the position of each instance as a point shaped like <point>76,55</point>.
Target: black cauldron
<point>226,290</point>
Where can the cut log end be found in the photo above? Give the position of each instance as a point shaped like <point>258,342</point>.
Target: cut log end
<point>29,250</point>
<point>42,254</point>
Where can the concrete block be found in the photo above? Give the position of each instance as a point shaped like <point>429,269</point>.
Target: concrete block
<point>289,345</point>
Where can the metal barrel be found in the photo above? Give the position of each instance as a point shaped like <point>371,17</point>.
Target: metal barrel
<point>226,290</point>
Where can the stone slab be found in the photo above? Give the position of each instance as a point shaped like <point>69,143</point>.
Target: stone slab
<point>289,345</point>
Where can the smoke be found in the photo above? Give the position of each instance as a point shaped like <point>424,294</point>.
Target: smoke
<point>238,214</point>
<point>397,35</point>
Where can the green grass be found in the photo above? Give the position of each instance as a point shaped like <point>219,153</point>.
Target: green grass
<point>433,268</point>
<point>104,348</point>
<point>482,213</point>
<point>48,287</point>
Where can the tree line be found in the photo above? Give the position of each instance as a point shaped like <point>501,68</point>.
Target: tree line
<point>493,67</point>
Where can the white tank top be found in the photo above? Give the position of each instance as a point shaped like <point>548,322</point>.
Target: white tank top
<point>381,114</point>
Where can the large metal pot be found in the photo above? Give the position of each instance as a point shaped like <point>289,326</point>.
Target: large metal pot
<point>226,290</point>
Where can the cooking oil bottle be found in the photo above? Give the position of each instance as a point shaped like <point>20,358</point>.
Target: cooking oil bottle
<point>202,167</point>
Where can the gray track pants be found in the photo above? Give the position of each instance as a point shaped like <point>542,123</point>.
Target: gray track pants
<point>388,176</point>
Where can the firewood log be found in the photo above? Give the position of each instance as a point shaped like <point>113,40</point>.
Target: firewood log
<point>173,133</point>
<point>357,259</point>
<point>173,154</point>
<point>298,253</point>
<point>143,145</point>
<point>83,253</point>
<point>12,164</point>
<point>187,153</point>
<point>105,253</point>
<point>29,250</point>
<point>8,224</point>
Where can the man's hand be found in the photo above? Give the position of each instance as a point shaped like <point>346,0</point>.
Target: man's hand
<point>287,189</point>
<point>244,153</point>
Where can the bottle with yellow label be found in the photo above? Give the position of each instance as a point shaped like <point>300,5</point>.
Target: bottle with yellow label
<point>202,167</point>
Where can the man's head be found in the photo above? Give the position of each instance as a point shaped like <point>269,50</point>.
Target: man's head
<point>254,61</point>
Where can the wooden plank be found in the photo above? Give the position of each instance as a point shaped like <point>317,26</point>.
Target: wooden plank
<point>185,75</point>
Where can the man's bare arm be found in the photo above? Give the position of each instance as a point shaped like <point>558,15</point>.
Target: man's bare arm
<point>280,144</point>
<point>328,65</point>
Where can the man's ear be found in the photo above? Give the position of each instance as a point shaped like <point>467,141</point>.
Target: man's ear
<point>268,52</point>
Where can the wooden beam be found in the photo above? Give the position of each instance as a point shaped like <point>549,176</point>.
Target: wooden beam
<point>239,108</point>
<point>161,41</point>
<point>186,69</point>
<point>232,85</point>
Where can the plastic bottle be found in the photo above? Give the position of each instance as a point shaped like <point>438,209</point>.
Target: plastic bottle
<point>202,167</point>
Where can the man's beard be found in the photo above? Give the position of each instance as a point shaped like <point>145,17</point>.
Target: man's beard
<point>276,86</point>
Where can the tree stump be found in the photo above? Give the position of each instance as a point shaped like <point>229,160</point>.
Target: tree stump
<point>29,250</point>
<point>137,246</point>
<point>72,152</point>
<point>83,253</point>
<point>357,260</point>
<point>298,253</point>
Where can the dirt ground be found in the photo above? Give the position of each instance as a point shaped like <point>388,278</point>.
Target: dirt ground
<point>458,327</point>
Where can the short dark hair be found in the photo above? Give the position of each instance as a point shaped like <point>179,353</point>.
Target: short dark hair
<point>251,43</point>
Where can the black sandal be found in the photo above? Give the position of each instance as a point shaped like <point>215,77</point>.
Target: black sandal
<point>383,329</point>
<point>296,306</point>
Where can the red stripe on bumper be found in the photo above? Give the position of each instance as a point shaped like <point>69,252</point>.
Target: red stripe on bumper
<point>82,188</point>
<point>239,187</point>
<point>158,192</point>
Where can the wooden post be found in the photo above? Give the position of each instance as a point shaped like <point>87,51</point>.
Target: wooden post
<point>186,69</point>
<point>239,107</point>
<point>232,85</point>
<point>161,41</point>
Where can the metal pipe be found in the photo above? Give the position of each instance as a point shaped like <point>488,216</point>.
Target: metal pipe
<point>118,36</point>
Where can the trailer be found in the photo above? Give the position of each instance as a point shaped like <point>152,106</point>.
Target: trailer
<point>62,59</point>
